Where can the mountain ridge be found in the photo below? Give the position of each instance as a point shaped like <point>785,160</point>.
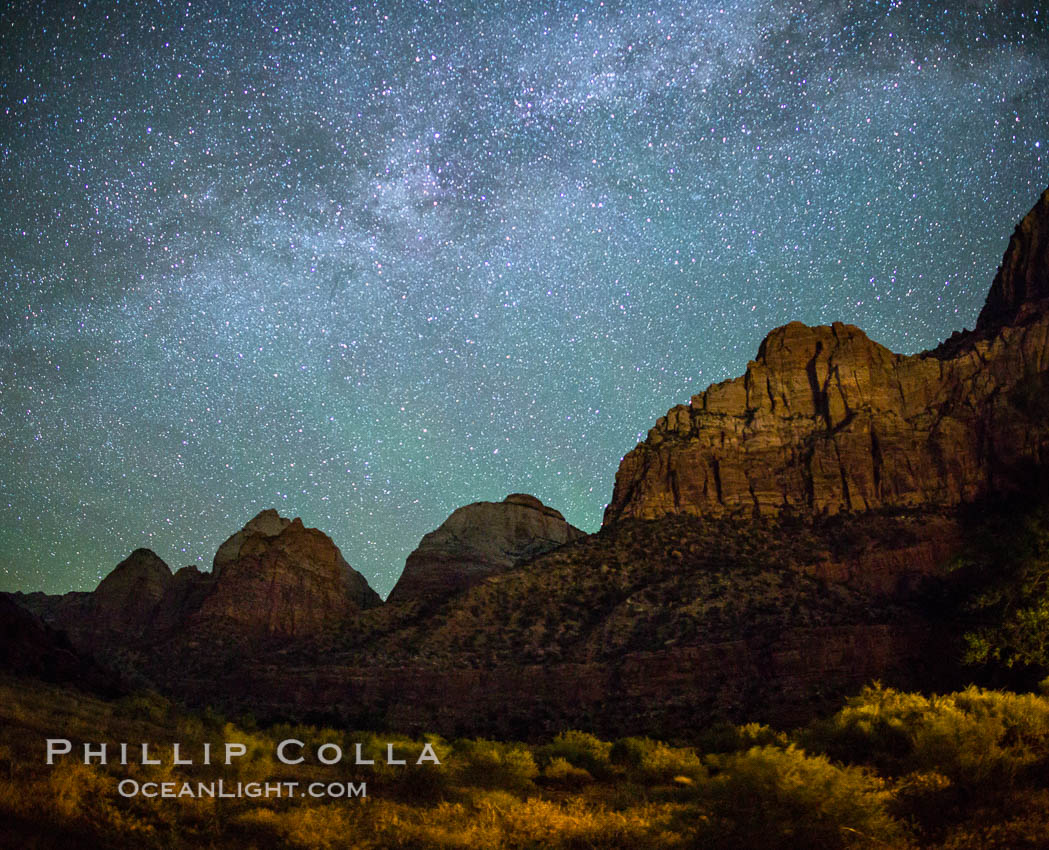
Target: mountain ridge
<point>770,546</point>
<point>825,419</point>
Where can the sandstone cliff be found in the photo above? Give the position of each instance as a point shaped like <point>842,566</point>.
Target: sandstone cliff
<point>826,420</point>
<point>644,628</point>
<point>125,600</point>
<point>277,577</point>
<point>1021,286</point>
<point>740,572</point>
<point>479,540</point>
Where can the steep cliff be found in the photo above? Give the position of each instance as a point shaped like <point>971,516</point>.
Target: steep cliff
<point>826,420</point>
<point>479,540</point>
<point>1021,286</point>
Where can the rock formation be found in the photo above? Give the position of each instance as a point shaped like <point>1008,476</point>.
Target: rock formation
<point>30,647</point>
<point>274,577</point>
<point>277,577</point>
<point>125,600</point>
<point>1022,283</point>
<point>121,608</point>
<point>741,572</point>
<point>826,420</point>
<point>479,540</point>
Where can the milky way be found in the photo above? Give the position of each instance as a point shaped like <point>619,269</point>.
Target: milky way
<point>366,264</point>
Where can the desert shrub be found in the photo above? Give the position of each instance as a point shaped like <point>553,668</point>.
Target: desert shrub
<point>1021,824</point>
<point>772,797</point>
<point>630,752</point>
<point>146,706</point>
<point>565,774</point>
<point>80,797</point>
<point>980,740</point>
<point>312,827</point>
<point>427,782</point>
<point>875,727</point>
<point>724,737</point>
<point>927,799</point>
<point>649,761</point>
<point>423,783</point>
<point>492,764</point>
<point>579,749</point>
<point>258,762</point>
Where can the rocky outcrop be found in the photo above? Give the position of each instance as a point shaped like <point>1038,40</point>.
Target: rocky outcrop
<point>826,420</point>
<point>273,578</point>
<point>277,577</point>
<point>1021,286</point>
<point>30,647</point>
<point>122,608</point>
<point>741,571</point>
<point>267,523</point>
<point>125,600</point>
<point>479,540</point>
<point>183,597</point>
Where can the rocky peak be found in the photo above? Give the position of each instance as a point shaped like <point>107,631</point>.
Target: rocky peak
<point>532,502</point>
<point>267,523</point>
<point>143,567</point>
<point>1022,282</point>
<point>125,599</point>
<point>478,540</point>
<point>826,420</point>
<point>275,576</point>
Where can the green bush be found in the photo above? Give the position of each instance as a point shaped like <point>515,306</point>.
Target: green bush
<point>980,740</point>
<point>648,761</point>
<point>1007,566</point>
<point>492,764</point>
<point>770,797</point>
<point>579,749</point>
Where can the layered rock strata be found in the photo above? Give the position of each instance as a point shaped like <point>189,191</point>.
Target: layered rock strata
<point>479,540</point>
<point>827,420</point>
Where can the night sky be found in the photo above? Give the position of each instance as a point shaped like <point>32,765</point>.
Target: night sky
<point>368,263</point>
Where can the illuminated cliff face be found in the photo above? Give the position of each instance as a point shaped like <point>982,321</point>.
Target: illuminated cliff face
<point>826,420</point>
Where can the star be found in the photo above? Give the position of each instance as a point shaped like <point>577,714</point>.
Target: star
<point>366,264</point>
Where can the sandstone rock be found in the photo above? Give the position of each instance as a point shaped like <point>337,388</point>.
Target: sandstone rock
<point>1022,282</point>
<point>121,608</point>
<point>277,577</point>
<point>267,523</point>
<point>125,600</point>
<point>479,540</point>
<point>826,420</point>
<point>274,577</point>
<point>183,596</point>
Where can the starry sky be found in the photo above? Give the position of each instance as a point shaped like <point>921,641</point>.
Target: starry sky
<point>368,262</point>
